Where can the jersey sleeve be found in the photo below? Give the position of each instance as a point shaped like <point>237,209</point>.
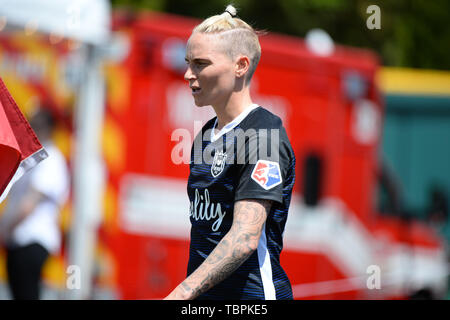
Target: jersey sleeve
<point>265,160</point>
<point>51,178</point>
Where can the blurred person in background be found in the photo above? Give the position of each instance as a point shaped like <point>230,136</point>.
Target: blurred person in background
<point>29,226</point>
<point>438,206</point>
<point>238,208</point>
<point>437,213</point>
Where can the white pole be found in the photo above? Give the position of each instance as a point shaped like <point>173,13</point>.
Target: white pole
<point>88,174</point>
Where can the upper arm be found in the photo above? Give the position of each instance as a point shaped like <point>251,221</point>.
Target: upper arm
<point>249,219</point>
<point>51,178</point>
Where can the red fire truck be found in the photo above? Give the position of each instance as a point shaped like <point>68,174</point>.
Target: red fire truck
<point>337,244</point>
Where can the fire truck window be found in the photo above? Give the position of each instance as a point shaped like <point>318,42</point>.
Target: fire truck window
<point>312,179</point>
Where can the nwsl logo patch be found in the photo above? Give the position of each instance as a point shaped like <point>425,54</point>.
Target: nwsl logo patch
<point>267,174</point>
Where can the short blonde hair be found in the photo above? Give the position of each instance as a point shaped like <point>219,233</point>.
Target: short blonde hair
<point>238,36</point>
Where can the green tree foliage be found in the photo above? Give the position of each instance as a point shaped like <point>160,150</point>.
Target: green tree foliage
<point>414,33</point>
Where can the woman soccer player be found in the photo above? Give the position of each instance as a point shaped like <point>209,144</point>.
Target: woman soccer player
<point>241,172</point>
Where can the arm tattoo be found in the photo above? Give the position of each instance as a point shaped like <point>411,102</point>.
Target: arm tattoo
<point>236,247</point>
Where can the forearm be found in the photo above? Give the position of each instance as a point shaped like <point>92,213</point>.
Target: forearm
<point>234,248</point>
<point>21,214</point>
<point>228,255</point>
<point>29,202</point>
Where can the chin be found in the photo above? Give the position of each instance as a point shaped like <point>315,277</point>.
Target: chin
<point>200,104</point>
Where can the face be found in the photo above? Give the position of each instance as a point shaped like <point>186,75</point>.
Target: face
<point>210,72</point>
<point>39,122</point>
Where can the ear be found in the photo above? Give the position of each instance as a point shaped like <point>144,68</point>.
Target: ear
<point>242,66</point>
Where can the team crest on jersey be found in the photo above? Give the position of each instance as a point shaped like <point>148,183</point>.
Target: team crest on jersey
<point>218,163</point>
<point>267,174</point>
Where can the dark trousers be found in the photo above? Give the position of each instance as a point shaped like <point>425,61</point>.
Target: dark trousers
<point>24,266</point>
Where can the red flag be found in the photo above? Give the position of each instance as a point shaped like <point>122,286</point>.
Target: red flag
<point>20,149</point>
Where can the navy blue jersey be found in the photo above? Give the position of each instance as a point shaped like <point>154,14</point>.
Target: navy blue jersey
<point>252,160</point>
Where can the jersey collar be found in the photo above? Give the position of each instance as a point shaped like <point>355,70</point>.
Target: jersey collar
<point>231,125</point>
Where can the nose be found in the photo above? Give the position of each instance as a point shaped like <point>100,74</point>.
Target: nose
<point>189,75</point>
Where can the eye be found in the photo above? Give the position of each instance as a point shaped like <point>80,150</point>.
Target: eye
<point>201,63</point>
<point>197,64</point>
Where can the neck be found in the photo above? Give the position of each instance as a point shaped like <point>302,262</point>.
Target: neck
<point>237,103</point>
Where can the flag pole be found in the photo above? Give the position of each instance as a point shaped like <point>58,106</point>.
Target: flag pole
<point>88,172</point>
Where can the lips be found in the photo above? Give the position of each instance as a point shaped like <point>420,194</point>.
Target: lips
<point>195,90</point>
